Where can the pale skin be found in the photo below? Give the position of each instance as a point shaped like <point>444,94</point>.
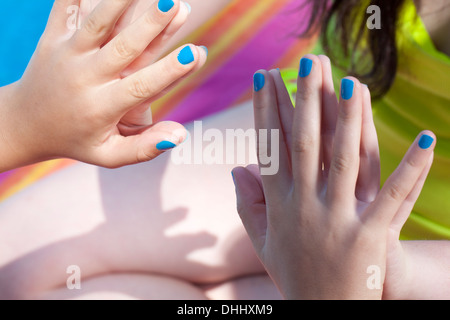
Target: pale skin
<point>91,88</point>
<point>160,240</point>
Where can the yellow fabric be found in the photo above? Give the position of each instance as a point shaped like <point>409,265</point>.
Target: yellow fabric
<point>419,99</point>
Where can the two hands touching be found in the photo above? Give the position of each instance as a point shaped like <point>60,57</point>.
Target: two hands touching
<point>317,225</point>
<point>321,225</point>
<point>86,93</point>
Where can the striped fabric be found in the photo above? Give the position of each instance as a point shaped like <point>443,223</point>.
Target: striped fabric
<point>244,37</point>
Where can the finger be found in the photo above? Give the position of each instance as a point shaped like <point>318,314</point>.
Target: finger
<point>402,181</point>
<point>251,206</point>
<point>285,109</point>
<point>119,151</point>
<point>160,43</point>
<point>368,184</point>
<point>330,106</point>
<point>63,17</point>
<point>129,44</point>
<point>408,205</point>
<point>99,24</point>
<point>344,164</point>
<point>146,84</point>
<point>271,151</point>
<point>306,155</point>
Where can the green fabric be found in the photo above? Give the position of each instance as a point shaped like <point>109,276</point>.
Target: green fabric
<point>419,99</point>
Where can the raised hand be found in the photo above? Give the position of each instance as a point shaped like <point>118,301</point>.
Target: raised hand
<point>321,225</point>
<point>80,98</point>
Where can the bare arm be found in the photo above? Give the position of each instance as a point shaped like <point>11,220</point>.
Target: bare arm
<point>429,274</point>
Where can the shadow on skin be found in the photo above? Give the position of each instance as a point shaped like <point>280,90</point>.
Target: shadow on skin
<point>110,248</point>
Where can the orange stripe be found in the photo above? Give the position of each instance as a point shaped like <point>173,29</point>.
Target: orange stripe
<point>216,59</point>
<point>23,177</point>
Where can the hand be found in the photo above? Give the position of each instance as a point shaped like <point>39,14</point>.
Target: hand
<point>321,223</point>
<point>82,98</point>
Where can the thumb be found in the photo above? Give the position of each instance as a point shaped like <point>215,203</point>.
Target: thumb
<point>251,204</point>
<point>120,151</point>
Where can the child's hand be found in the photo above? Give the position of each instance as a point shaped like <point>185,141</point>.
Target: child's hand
<point>82,96</point>
<point>321,224</point>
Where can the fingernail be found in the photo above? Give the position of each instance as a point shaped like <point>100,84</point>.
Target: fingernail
<point>232,175</point>
<point>165,145</point>
<point>258,81</point>
<point>186,56</point>
<point>347,89</point>
<point>165,5</point>
<point>425,141</point>
<point>206,49</point>
<point>188,6</point>
<point>305,67</point>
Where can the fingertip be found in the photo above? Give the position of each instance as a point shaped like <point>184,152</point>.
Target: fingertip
<point>426,140</point>
<point>187,54</point>
<point>259,80</point>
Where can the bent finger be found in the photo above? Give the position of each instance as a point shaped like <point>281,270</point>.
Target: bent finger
<point>131,42</point>
<point>402,181</point>
<point>146,84</point>
<point>99,24</point>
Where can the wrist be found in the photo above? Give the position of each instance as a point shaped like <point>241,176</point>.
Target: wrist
<point>17,144</point>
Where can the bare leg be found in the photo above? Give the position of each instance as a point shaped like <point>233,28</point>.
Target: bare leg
<point>155,218</point>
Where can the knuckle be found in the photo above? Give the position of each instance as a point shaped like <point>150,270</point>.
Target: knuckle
<point>152,19</point>
<point>346,113</point>
<point>412,162</point>
<point>140,89</point>
<point>145,155</point>
<point>396,192</point>
<point>341,164</point>
<point>122,50</point>
<point>93,26</point>
<point>302,144</point>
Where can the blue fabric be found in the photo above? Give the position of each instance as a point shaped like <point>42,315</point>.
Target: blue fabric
<point>22,23</point>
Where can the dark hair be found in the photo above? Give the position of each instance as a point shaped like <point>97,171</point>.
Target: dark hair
<point>368,54</point>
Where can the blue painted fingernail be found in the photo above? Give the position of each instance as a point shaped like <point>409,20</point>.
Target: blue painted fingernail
<point>232,175</point>
<point>258,81</point>
<point>305,67</point>
<point>186,56</point>
<point>165,145</point>
<point>165,5</point>
<point>425,141</point>
<point>347,86</point>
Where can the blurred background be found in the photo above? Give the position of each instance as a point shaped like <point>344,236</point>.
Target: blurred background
<point>21,25</point>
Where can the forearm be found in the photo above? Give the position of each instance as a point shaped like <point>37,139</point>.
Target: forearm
<point>430,269</point>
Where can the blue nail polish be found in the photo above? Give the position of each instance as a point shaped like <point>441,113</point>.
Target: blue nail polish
<point>165,5</point>
<point>305,67</point>
<point>258,81</point>
<point>232,175</point>
<point>165,145</point>
<point>186,56</point>
<point>425,141</point>
<point>347,86</point>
